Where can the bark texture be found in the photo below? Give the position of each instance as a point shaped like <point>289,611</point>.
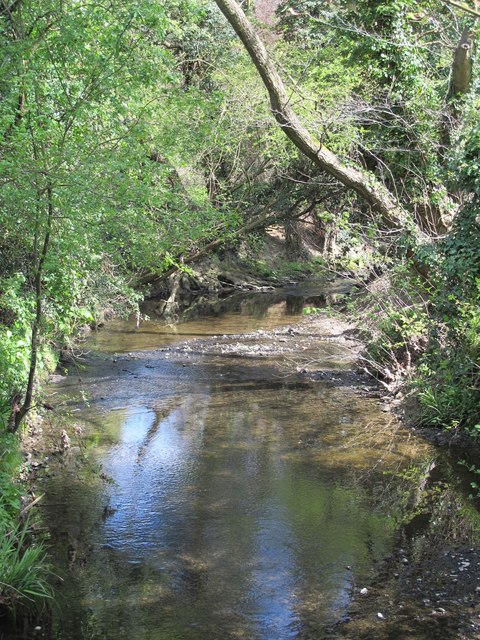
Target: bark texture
<point>461,78</point>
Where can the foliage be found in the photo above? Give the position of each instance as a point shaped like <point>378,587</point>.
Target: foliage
<point>395,318</point>
<point>24,570</point>
<point>96,140</point>
<point>313,311</point>
<point>473,470</point>
<point>449,380</point>
<point>394,59</point>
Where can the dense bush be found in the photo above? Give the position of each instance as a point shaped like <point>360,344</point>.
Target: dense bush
<point>24,570</point>
<point>449,378</point>
<point>429,330</point>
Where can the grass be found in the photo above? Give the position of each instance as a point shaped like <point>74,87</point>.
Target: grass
<point>24,570</point>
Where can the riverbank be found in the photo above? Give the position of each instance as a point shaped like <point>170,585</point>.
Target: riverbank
<point>425,592</point>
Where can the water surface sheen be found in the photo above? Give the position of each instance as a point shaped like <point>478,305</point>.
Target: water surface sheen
<point>236,501</point>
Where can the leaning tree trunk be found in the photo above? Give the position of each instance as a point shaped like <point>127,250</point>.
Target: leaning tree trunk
<point>363,183</point>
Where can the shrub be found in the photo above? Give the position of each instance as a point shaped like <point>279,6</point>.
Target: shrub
<point>24,570</point>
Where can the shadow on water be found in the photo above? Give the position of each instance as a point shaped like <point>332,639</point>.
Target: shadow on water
<point>232,502</point>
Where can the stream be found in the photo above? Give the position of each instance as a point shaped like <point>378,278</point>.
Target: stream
<point>243,481</point>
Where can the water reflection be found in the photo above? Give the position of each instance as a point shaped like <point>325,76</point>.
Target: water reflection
<point>240,312</point>
<point>242,504</point>
<point>222,522</point>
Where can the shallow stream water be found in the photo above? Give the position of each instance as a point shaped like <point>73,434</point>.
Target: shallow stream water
<point>233,496</point>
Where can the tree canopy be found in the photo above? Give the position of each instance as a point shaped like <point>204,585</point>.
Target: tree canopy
<point>136,136</point>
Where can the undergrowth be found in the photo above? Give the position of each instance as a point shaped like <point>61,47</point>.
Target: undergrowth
<point>393,316</point>
<point>24,568</point>
<point>424,332</point>
<point>24,571</point>
<point>448,377</point>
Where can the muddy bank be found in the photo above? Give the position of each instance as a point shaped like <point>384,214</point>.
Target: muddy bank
<point>431,592</point>
<point>262,263</point>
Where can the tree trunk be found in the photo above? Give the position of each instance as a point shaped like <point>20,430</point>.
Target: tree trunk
<point>171,305</point>
<point>364,184</point>
<point>461,77</point>
<point>294,246</point>
<point>19,412</point>
<point>460,85</point>
<point>325,235</point>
